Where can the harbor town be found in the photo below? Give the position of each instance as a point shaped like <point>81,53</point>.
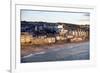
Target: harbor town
<point>54,36</point>
<point>37,38</point>
<point>43,33</point>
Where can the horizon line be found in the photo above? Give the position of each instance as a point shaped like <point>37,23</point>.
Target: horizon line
<point>57,22</point>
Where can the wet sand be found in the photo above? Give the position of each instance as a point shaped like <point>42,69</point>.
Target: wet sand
<point>31,49</point>
<point>61,52</point>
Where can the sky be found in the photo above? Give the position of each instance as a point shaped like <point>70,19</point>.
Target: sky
<point>51,16</point>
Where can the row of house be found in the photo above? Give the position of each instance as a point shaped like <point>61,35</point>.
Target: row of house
<point>54,32</point>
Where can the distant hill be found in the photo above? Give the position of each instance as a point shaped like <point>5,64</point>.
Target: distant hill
<point>41,28</point>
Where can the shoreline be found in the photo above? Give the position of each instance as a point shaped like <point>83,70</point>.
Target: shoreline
<point>28,50</point>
